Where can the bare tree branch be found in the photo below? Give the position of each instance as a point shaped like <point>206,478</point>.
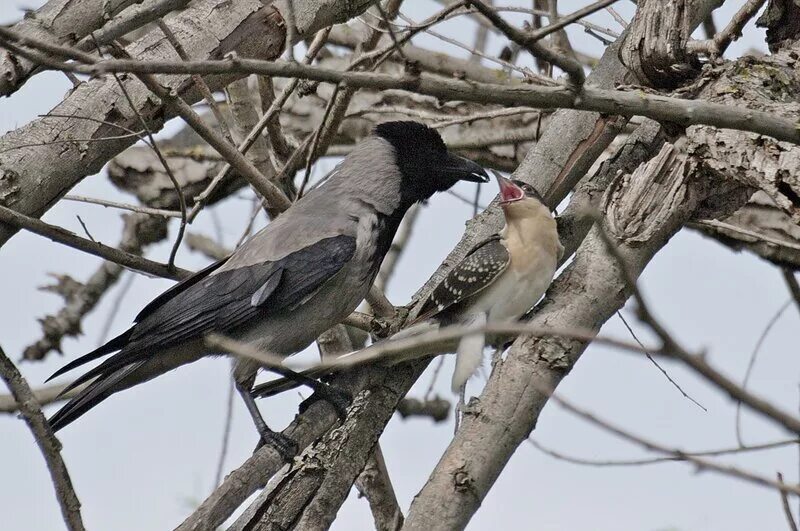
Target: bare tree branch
<point>717,45</point>
<point>700,463</point>
<point>657,460</point>
<point>47,442</point>
<point>786,509</point>
<point>55,22</point>
<point>573,68</point>
<point>65,237</point>
<point>373,484</point>
<point>679,111</point>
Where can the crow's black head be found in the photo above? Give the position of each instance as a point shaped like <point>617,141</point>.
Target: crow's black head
<point>426,165</point>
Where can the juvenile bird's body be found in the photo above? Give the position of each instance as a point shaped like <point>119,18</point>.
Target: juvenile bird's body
<point>501,278</point>
<point>303,273</point>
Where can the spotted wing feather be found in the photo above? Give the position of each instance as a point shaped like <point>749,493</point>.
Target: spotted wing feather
<point>473,274</point>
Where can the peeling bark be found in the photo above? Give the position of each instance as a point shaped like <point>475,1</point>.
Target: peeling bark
<point>655,48</point>
<point>767,84</point>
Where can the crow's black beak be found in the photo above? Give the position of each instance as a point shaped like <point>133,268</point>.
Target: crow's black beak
<point>464,169</point>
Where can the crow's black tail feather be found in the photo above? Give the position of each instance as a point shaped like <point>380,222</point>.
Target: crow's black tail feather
<point>115,344</point>
<point>95,392</point>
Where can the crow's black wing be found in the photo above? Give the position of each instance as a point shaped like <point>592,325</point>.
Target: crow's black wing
<point>224,301</point>
<point>178,288</point>
<point>121,340</point>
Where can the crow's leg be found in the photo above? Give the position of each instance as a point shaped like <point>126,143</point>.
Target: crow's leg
<point>339,399</point>
<point>244,376</point>
<point>285,446</point>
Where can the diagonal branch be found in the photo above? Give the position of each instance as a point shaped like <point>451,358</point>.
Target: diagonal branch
<point>70,239</point>
<point>47,442</point>
<point>530,42</point>
<point>80,298</point>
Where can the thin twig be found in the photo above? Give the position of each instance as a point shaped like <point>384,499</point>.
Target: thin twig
<point>791,283</point>
<point>226,433</point>
<point>85,229</point>
<point>699,462</point>
<point>656,460</point>
<point>154,146</point>
<point>124,206</point>
<point>315,139</point>
<point>751,364</point>
<point>526,72</point>
<point>70,239</point>
<point>71,141</point>
<point>566,20</point>
<point>434,377</point>
<point>572,67</point>
<point>717,45</point>
<point>198,81</point>
<point>115,307</point>
<point>715,224</point>
<point>696,362</point>
<point>660,368</point>
<point>786,509</point>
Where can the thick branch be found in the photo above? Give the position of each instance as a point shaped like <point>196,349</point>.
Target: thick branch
<point>679,111</point>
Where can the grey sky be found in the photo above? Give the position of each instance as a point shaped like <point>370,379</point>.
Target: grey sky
<point>144,458</point>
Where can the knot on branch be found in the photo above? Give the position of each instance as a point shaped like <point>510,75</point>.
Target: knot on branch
<point>655,49</point>
<point>638,205</point>
<point>9,187</point>
<point>436,408</point>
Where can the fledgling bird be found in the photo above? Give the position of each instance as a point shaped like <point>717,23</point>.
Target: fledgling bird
<point>498,281</point>
<point>501,278</point>
<point>300,275</point>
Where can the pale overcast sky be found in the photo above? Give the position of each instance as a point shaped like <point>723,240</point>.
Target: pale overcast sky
<point>143,459</point>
